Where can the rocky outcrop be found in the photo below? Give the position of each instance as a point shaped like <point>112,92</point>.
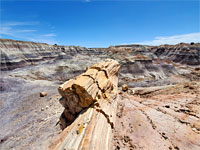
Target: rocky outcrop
<point>15,54</point>
<point>92,98</point>
<point>139,62</point>
<point>182,53</point>
<point>147,68</point>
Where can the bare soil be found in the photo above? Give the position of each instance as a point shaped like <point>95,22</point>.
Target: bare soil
<point>159,118</point>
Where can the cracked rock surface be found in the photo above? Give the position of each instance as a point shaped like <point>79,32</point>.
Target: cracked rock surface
<point>95,93</point>
<point>162,118</point>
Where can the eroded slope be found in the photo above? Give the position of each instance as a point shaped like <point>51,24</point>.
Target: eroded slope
<point>159,118</point>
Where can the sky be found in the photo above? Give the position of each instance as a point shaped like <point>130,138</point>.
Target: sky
<point>101,23</point>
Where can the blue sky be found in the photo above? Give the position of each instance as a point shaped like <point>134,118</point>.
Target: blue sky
<point>101,23</point>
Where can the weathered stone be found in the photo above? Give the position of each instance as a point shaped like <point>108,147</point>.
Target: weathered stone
<point>85,88</point>
<point>130,91</point>
<point>124,87</point>
<point>197,125</point>
<point>68,115</point>
<point>92,129</point>
<point>99,82</point>
<point>63,102</point>
<point>96,89</point>
<point>63,121</point>
<point>43,94</point>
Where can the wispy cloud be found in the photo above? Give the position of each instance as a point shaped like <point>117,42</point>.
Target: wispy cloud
<point>49,35</point>
<point>187,38</point>
<point>43,40</point>
<point>9,28</point>
<point>15,33</point>
<point>16,23</point>
<point>25,31</point>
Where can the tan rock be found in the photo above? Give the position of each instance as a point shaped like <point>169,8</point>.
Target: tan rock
<point>91,130</point>
<point>84,89</point>
<point>42,94</point>
<point>124,87</point>
<point>99,82</point>
<point>197,125</point>
<point>130,91</point>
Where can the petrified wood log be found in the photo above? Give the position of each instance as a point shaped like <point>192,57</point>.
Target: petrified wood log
<point>96,90</point>
<point>99,81</point>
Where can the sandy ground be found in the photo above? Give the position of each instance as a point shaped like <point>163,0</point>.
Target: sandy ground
<point>28,121</point>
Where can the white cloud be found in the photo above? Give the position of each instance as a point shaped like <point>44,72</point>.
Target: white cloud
<point>186,38</point>
<point>49,35</point>
<point>17,23</point>
<point>25,31</point>
<point>9,28</point>
<point>43,40</point>
<point>15,33</point>
<point>22,31</point>
<point>5,30</point>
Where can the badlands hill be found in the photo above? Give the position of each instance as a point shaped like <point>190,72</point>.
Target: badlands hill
<point>159,110</point>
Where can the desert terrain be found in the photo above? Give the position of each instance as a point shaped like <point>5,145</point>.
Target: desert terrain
<point>158,109</point>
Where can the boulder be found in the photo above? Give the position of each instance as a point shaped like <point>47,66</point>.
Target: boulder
<point>124,87</point>
<point>43,94</point>
<point>130,91</point>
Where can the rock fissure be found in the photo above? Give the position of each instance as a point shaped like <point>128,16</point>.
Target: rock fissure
<point>98,83</point>
<point>97,107</point>
<point>102,90</point>
<point>162,134</point>
<point>100,69</point>
<point>155,128</point>
<point>189,121</point>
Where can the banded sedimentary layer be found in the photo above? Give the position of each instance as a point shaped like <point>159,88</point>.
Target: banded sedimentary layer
<point>15,54</point>
<point>182,53</point>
